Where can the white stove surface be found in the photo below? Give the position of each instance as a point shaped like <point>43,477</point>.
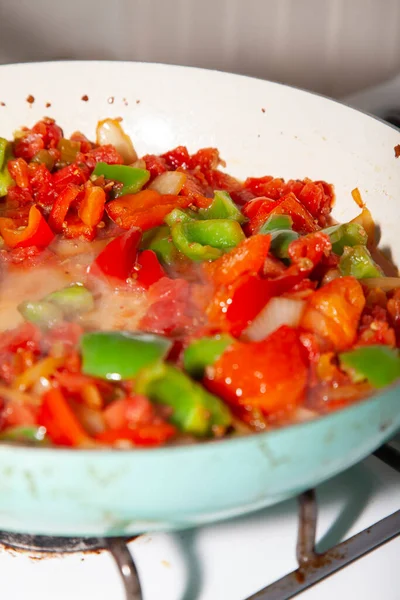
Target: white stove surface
<point>234,559</point>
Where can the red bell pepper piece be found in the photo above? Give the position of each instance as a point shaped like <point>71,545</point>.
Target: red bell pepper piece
<point>74,228</point>
<point>154,434</point>
<point>61,206</point>
<point>270,375</point>
<point>150,269</point>
<point>154,217</point>
<point>119,256</point>
<point>61,424</point>
<point>260,209</point>
<point>123,207</point>
<point>91,209</point>
<point>36,233</point>
<point>261,205</point>
<point>146,209</point>
<point>248,257</point>
<point>239,299</point>
<point>236,305</point>
<point>302,219</point>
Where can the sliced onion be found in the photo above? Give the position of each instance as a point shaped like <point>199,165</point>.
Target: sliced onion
<point>384,283</point>
<point>278,312</point>
<point>18,397</point>
<point>109,131</point>
<point>365,220</point>
<point>66,248</point>
<point>91,419</point>
<point>302,415</point>
<point>41,386</point>
<point>139,164</point>
<point>170,182</point>
<point>352,391</point>
<point>330,275</point>
<point>357,198</point>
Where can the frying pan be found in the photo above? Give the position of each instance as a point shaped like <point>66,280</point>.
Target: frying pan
<point>260,128</point>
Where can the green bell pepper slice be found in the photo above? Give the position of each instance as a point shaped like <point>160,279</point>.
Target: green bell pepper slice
<point>276,223</point>
<point>379,365</point>
<point>357,262</point>
<point>279,228</point>
<point>132,178</point>
<point>4,145</point>
<point>222,207</point>
<point>180,216</point>
<point>204,352</point>
<point>72,300</point>
<point>206,240</point>
<point>41,313</point>
<point>195,411</point>
<point>159,240</point>
<point>32,434</point>
<point>118,355</point>
<point>45,158</point>
<point>281,240</point>
<point>5,155</point>
<point>347,234</point>
<point>68,150</point>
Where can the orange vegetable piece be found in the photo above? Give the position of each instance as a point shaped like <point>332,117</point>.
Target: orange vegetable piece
<point>61,423</point>
<point>146,209</point>
<point>302,219</point>
<point>36,233</point>
<point>91,208</point>
<point>61,206</point>
<point>334,311</point>
<point>248,257</point>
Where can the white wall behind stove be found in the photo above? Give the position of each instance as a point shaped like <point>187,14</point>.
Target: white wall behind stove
<point>332,46</point>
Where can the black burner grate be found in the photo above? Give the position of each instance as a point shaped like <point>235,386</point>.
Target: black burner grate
<point>118,548</point>
<point>313,567</point>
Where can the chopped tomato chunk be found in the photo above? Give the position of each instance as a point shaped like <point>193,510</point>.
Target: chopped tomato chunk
<point>270,375</point>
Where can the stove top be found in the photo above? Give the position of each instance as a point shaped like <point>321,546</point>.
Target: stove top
<point>251,558</point>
